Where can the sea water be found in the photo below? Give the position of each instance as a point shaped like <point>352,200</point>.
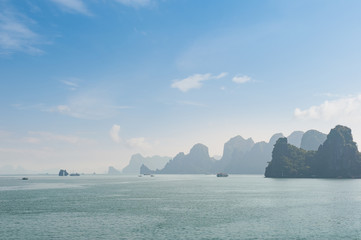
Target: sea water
<point>179,207</point>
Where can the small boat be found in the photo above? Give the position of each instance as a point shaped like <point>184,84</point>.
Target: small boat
<point>222,175</point>
<point>74,174</point>
<point>25,178</point>
<point>152,175</point>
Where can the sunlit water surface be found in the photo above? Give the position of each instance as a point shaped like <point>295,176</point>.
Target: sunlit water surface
<point>179,207</point>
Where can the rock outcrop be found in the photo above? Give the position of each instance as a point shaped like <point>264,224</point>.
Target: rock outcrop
<point>337,157</point>
<point>63,172</point>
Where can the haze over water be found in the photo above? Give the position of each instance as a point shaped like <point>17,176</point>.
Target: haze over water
<point>179,207</point>
<point>85,85</point>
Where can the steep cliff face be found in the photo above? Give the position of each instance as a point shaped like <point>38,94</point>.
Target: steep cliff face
<point>337,157</point>
<point>312,139</point>
<point>288,161</point>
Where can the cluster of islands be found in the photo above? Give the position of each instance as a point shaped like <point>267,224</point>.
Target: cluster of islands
<point>310,154</point>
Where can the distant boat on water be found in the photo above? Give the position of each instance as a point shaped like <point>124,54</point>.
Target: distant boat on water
<point>74,174</point>
<point>25,178</point>
<point>222,175</point>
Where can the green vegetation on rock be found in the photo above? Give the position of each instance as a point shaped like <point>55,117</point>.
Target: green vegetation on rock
<point>337,157</point>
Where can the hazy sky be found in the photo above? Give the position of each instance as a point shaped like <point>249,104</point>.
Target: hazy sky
<point>85,84</point>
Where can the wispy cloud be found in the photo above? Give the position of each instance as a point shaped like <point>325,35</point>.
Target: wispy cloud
<point>31,140</point>
<point>140,143</point>
<point>195,104</point>
<point>91,104</point>
<point>16,35</point>
<point>221,75</point>
<point>135,3</point>
<point>114,133</point>
<point>342,108</point>
<point>87,110</point>
<point>194,81</point>
<point>73,6</point>
<point>241,79</point>
<point>72,83</point>
<point>330,95</point>
<point>137,143</point>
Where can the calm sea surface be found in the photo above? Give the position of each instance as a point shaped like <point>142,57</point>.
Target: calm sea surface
<point>179,207</point>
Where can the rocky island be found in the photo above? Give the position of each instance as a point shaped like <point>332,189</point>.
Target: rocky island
<point>63,172</point>
<point>337,157</point>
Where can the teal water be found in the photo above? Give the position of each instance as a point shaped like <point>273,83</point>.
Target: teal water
<point>179,207</point>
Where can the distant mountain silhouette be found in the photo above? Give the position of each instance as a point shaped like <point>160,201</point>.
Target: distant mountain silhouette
<point>196,162</point>
<point>113,171</point>
<point>337,157</point>
<point>312,139</point>
<point>274,138</point>
<point>233,155</point>
<point>240,156</point>
<point>137,160</point>
<point>295,138</point>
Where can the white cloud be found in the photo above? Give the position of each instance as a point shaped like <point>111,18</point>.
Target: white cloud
<point>135,3</point>
<point>114,133</point>
<point>139,143</point>
<point>73,6</point>
<point>241,79</point>
<point>342,108</point>
<point>15,35</point>
<point>194,81</point>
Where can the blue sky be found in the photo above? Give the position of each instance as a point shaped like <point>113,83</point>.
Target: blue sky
<point>86,84</point>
